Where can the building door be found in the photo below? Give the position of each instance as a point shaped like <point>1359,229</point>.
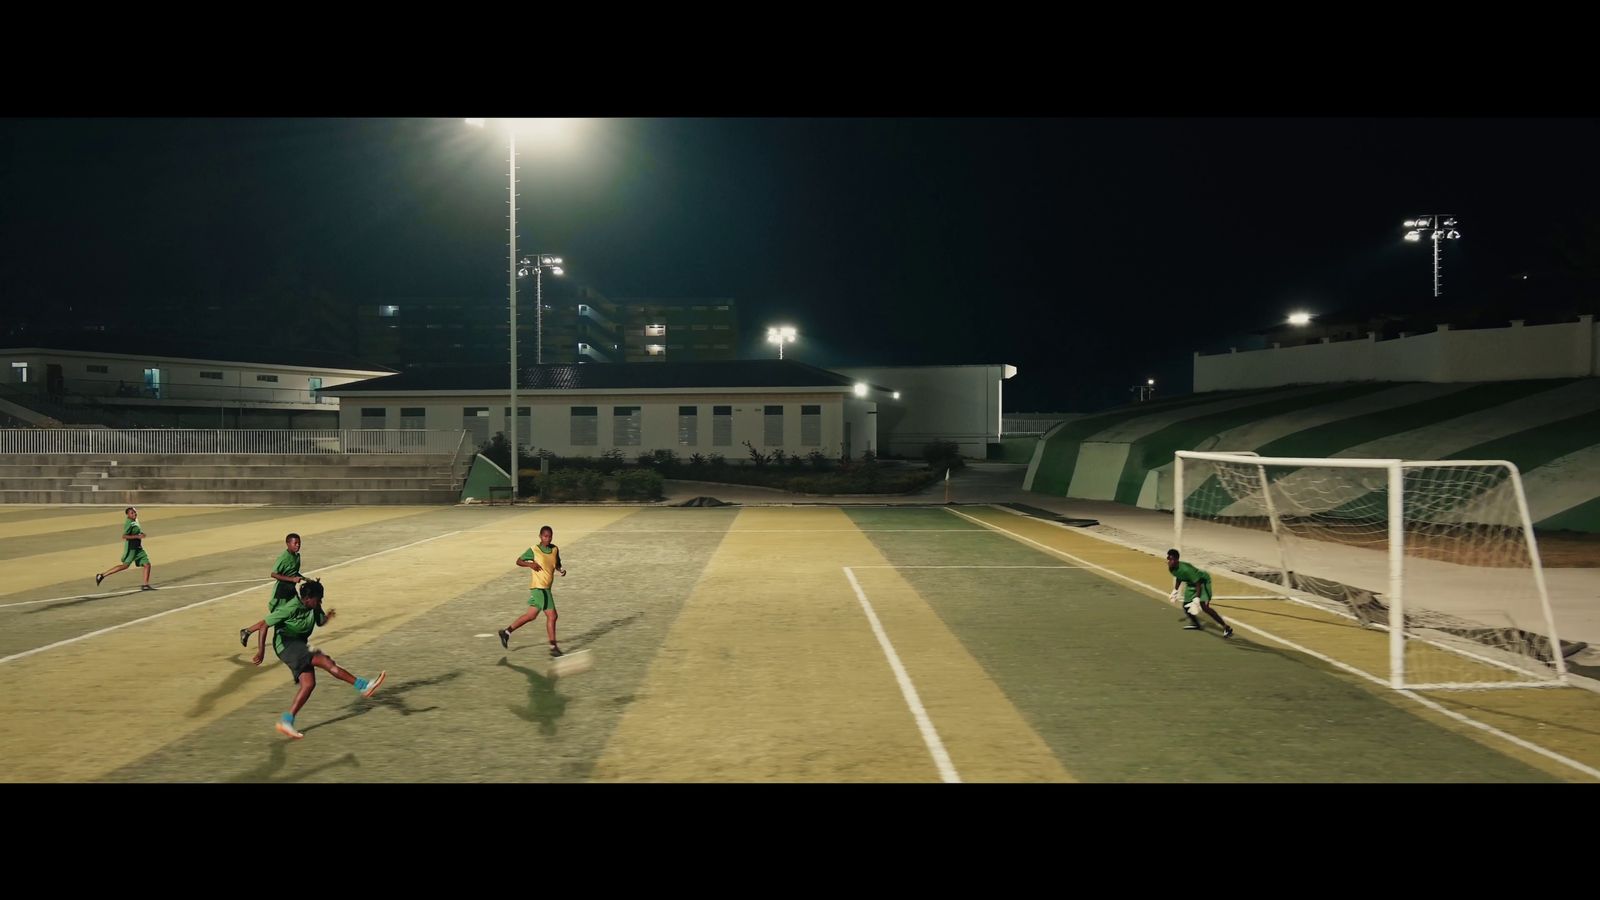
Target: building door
<point>19,372</point>
<point>152,383</point>
<point>315,382</point>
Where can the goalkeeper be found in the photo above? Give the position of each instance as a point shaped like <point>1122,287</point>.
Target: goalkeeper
<point>1196,586</point>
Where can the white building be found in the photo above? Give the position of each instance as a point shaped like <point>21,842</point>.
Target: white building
<point>938,403</point>
<point>174,385</point>
<point>587,410</point>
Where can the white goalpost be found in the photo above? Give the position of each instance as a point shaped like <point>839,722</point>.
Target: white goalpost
<point>1440,553</point>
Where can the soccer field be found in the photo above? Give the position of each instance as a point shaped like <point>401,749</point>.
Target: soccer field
<point>781,644</point>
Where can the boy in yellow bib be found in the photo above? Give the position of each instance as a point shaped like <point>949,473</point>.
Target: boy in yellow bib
<point>545,561</point>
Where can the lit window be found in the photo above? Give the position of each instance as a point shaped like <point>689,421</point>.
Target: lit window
<point>655,331</point>
<point>655,349</point>
<point>388,311</point>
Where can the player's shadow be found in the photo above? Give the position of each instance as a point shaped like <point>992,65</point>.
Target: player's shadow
<point>587,637</point>
<point>603,629</point>
<point>279,757</point>
<point>390,696</point>
<point>245,670</point>
<point>545,703</point>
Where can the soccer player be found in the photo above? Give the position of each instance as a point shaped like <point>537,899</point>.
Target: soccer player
<point>292,622</point>
<point>132,550</point>
<point>1198,591</point>
<point>545,561</point>
<point>285,575</point>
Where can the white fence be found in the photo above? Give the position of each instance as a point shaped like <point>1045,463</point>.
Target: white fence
<point>244,441</point>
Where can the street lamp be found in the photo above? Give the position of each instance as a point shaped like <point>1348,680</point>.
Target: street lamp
<point>780,335</point>
<point>1300,318</point>
<point>1437,229</point>
<point>511,182</point>
<point>1146,391</point>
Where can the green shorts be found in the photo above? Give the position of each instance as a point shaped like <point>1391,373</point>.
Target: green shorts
<point>541,598</point>
<point>1202,590</point>
<point>135,557</point>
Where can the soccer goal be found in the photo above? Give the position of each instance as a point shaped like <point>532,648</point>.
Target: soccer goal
<point>1441,553</point>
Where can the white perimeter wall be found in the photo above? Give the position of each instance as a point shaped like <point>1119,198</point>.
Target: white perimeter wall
<point>1566,350</point>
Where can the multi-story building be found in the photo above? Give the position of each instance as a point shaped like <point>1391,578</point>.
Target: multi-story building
<point>656,330</point>
<point>580,325</point>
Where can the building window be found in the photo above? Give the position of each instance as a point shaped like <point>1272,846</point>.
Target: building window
<point>655,331</point>
<point>585,426</point>
<point>413,418</point>
<point>213,376</point>
<point>524,423</point>
<point>271,378</point>
<point>655,349</point>
<point>19,372</point>
<point>719,328</point>
<point>772,422</point>
<point>698,327</point>
<point>722,309</point>
<point>688,426</point>
<point>100,370</point>
<point>388,312</point>
<point>625,426</point>
<point>374,417</point>
<point>811,426</point>
<point>722,426</point>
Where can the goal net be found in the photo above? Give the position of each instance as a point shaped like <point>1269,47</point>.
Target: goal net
<point>1440,553</point>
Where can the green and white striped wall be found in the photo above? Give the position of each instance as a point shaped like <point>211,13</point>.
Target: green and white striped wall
<point>1549,428</point>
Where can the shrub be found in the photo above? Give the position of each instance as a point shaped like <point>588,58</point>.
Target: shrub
<point>639,484</point>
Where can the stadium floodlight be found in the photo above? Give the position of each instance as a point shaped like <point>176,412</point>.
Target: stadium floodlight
<point>861,389</point>
<point>780,335</point>
<point>535,129</point>
<point>1437,228</point>
<point>1300,318</point>
<point>1151,382</point>
<point>897,395</point>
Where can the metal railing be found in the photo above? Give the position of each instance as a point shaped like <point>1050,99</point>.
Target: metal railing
<point>244,441</point>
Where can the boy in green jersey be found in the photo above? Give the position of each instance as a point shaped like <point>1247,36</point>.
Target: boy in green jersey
<point>1197,592</point>
<point>292,623</point>
<point>132,550</point>
<point>545,561</point>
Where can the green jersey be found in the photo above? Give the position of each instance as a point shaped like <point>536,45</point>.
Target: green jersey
<point>288,564</point>
<point>293,620</point>
<point>129,526</point>
<point>1190,575</point>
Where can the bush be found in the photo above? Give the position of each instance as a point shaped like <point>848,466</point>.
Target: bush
<point>696,460</point>
<point>571,484</point>
<point>639,484</point>
<point>498,451</point>
<point>756,456</point>
<point>717,460</point>
<point>819,460</point>
<point>610,461</point>
<point>942,455</point>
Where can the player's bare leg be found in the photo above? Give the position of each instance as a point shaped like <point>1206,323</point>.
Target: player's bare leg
<point>367,686</point>
<point>308,683</point>
<point>550,629</point>
<point>147,587</point>
<point>104,575</point>
<point>1226,631</point>
<point>525,618</point>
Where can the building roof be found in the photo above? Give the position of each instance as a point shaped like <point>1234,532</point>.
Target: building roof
<point>199,351</point>
<point>752,373</point>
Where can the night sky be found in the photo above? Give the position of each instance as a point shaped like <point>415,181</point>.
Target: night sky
<point>1090,253</point>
